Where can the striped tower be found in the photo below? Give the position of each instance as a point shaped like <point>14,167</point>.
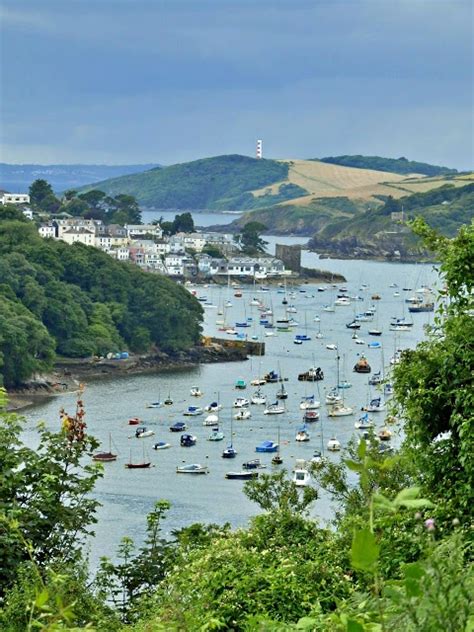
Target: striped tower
<point>259,149</point>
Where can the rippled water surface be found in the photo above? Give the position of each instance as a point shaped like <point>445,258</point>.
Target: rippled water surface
<point>128,495</point>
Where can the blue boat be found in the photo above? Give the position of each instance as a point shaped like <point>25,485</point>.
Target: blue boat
<point>187,440</point>
<point>179,426</point>
<point>302,337</point>
<point>242,324</point>
<point>267,446</point>
<point>229,453</point>
<point>374,345</point>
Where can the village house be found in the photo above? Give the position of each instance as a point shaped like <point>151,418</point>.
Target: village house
<point>142,231</point>
<point>14,198</point>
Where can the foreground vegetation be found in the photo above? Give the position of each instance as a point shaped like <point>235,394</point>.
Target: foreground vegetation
<point>77,301</point>
<point>397,556</point>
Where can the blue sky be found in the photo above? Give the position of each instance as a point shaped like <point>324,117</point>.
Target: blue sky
<point>122,81</point>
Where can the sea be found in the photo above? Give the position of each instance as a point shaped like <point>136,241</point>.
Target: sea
<point>126,496</point>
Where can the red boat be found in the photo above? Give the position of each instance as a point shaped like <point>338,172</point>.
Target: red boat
<point>134,421</point>
<point>132,466</point>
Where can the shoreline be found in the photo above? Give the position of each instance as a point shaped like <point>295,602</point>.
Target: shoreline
<point>69,373</point>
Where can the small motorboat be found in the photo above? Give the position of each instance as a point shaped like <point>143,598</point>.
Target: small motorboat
<point>302,435</point>
<point>354,324</point>
<point>179,426</point>
<point>258,398</point>
<point>317,457</point>
<point>216,435</point>
<point>258,381</point>
<point>134,421</point>
<point>229,453</point>
<point>333,445</point>
<point>141,433</point>
<point>277,459</point>
<point>376,405</point>
<point>240,384</point>
<point>161,445</point>
<point>387,390</point>
<point>242,414</point>
<point>274,409</point>
<point>331,347</point>
<point>192,468</point>
<point>187,440</point>
<point>157,404</point>
<point>375,345</point>
<point>211,420</point>
<point>384,434</point>
<point>362,365</point>
<point>244,475</point>
<point>267,446</point>
<point>193,411</point>
<point>213,407</point>
<point>375,332</point>
<point>301,477</point>
<point>168,401</point>
<point>195,391</point>
<point>310,416</point>
<point>344,384</point>
<point>253,464</point>
<point>241,402</point>
<point>359,341</point>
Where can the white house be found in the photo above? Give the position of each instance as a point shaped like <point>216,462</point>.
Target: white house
<point>14,198</point>
<point>79,234</point>
<point>48,230</point>
<point>137,231</point>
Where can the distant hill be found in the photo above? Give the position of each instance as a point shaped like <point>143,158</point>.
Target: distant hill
<point>218,183</point>
<point>390,165</point>
<point>17,178</point>
<point>376,232</point>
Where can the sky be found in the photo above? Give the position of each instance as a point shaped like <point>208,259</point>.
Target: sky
<point>166,81</point>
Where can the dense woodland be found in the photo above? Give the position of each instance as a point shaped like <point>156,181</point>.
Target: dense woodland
<point>77,301</point>
<point>397,556</point>
<point>391,165</point>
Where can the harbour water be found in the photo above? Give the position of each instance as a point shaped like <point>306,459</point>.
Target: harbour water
<point>126,496</point>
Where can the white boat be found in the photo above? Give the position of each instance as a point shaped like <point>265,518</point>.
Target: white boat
<point>376,405</point>
<point>340,410</point>
<point>328,308</point>
<point>155,405</point>
<point>241,402</point>
<point>302,435</point>
<point>333,397</point>
<point>141,433</point>
<point>161,445</point>
<point>193,411</point>
<point>309,403</point>
<point>195,391</point>
<point>274,409</point>
<point>301,477</point>
<point>331,347</point>
<point>242,414</point>
<point>216,435</point>
<point>258,381</point>
<point>258,398</point>
<point>211,420</point>
<point>333,445</point>
<point>192,468</point>
<point>342,301</point>
<point>213,407</point>
<point>364,422</point>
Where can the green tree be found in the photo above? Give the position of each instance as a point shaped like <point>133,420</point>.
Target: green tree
<point>94,198</point>
<point>45,506</point>
<point>39,190</point>
<point>249,239</point>
<point>183,223</point>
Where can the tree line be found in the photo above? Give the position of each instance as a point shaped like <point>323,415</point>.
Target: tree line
<point>77,301</point>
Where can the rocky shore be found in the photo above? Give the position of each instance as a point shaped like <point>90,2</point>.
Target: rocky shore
<point>69,373</point>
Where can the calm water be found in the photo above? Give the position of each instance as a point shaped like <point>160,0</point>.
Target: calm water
<point>200,219</point>
<point>127,496</point>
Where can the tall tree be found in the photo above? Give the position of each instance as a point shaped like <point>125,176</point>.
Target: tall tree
<point>39,190</point>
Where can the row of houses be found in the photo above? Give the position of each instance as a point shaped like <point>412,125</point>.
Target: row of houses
<point>179,255</point>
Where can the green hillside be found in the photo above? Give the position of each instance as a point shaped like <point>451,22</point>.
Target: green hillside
<point>374,232</point>
<point>218,183</point>
<point>77,301</point>
<point>391,165</point>
<point>301,219</point>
